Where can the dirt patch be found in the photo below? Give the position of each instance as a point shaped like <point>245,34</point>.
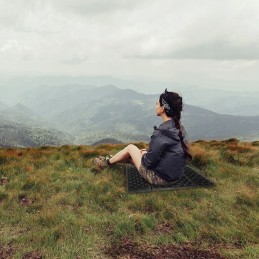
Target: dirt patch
<point>3,181</point>
<point>127,248</point>
<point>164,228</point>
<point>32,255</point>
<point>6,252</point>
<point>24,201</point>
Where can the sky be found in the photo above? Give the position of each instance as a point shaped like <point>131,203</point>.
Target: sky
<point>208,43</point>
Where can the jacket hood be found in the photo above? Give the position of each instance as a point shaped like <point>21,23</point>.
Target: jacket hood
<point>168,129</point>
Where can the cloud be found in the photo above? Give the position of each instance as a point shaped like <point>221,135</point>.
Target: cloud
<point>75,60</point>
<point>15,49</point>
<point>131,38</point>
<point>218,50</point>
<point>199,30</point>
<point>95,7</point>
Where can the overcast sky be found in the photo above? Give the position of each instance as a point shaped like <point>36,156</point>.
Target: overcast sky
<point>209,43</point>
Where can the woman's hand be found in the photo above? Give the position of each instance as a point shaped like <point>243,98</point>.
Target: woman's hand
<point>143,151</point>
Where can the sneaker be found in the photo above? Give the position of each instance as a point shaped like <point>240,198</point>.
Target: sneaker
<point>101,162</point>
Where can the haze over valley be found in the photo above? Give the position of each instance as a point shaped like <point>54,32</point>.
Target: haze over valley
<point>85,114</point>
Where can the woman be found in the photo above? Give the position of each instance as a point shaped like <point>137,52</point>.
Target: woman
<point>168,151</point>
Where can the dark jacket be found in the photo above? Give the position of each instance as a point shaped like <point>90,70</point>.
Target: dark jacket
<point>165,155</point>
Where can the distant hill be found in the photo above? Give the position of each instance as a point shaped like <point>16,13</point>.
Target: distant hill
<point>22,114</point>
<point>90,114</point>
<point>19,135</point>
<point>204,124</point>
<point>107,141</point>
<point>3,106</point>
<point>221,101</point>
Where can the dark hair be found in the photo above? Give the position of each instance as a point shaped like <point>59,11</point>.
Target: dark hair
<point>173,105</point>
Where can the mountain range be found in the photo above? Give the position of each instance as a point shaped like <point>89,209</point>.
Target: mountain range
<point>85,114</point>
<point>232,102</point>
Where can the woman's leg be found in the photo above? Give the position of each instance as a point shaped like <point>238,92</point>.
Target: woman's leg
<point>131,151</point>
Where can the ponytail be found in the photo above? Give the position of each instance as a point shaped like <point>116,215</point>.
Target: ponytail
<point>178,125</point>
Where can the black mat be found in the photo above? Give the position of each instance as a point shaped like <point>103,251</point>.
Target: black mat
<point>191,178</point>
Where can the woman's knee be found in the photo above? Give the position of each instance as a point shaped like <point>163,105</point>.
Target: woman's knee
<point>132,147</point>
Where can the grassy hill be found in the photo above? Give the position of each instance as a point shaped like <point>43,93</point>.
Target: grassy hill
<point>52,205</point>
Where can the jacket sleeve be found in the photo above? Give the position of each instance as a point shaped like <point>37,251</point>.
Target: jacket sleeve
<point>156,149</point>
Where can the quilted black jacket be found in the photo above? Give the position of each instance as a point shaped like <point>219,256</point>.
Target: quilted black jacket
<point>165,155</point>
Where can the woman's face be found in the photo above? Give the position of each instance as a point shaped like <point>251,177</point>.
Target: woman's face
<point>159,108</point>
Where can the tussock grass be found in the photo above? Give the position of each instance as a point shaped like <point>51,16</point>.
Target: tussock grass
<point>51,204</point>
<point>255,143</point>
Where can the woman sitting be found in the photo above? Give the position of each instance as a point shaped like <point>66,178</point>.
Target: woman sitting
<point>165,159</point>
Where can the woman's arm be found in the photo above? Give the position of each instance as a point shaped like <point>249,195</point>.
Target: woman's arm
<point>156,149</point>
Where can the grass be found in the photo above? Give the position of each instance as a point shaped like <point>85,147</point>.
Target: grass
<point>52,205</point>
